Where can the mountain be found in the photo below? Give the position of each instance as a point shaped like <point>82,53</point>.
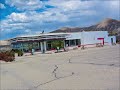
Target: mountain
<point>110,25</point>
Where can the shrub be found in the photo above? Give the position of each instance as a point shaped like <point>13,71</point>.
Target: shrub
<point>57,43</point>
<point>20,53</point>
<point>7,56</point>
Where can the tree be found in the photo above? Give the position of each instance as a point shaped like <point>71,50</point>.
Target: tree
<point>57,43</point>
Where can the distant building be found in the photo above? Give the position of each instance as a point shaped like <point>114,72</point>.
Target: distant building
<point>5,45</point>
<point>43,42</point>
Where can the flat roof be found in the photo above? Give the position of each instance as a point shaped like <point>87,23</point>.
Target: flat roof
<point>44,36</point>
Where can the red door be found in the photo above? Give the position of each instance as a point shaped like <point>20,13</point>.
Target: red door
<point>102,40</point>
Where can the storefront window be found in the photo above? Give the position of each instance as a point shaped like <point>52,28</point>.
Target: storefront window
<point>72,42</point>
<point>78,42</point>
<point>66,43</point>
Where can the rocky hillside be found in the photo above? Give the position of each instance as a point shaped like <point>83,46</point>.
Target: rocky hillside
<point>110,25</point>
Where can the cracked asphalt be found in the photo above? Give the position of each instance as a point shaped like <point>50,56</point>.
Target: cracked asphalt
<point>89,69</point>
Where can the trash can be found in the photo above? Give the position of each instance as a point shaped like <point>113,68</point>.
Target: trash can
<point>32,51</point>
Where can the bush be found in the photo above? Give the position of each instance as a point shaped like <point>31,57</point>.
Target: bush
<point>57,43</point>
<point>20,53</point>
<point>7,56</point>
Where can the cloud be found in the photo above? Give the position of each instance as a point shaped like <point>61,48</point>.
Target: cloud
<point>73,8</point>
<point>68,5</point>
<point>17,17</point>
<point>24,5</point>
<point>2,6</point>
<point>63,13</point>
<point>30,21</point>
<point>113,5</point>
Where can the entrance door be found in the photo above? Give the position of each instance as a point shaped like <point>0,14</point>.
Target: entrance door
<point>49,46</point>
<point>111,40</point>
<point>102,39</point>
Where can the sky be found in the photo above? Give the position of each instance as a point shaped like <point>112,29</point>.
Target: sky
<point>23,17</point>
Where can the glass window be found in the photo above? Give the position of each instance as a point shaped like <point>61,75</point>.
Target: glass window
<point>35,45</point>
<point>66,42</point>
<point>78,42</point>
<point>72,42</point>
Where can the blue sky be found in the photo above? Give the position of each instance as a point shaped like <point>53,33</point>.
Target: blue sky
<point>20,17</point>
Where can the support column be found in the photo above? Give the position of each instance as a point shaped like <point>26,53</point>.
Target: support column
<point>39,45</point>
<point>21,47</point>
<point>43,46</point>
<point>75,42</point>
<point>64,43</point>
<point>69,43</point>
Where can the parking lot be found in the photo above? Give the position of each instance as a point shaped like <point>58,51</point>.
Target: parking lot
<point>92,68</point>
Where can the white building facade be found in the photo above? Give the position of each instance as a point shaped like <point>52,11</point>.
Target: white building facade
<point>91,38</point>
<point>43,42</point>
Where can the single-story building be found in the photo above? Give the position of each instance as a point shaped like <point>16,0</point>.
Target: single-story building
<point>5,45</point>
<point>43,42</point>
